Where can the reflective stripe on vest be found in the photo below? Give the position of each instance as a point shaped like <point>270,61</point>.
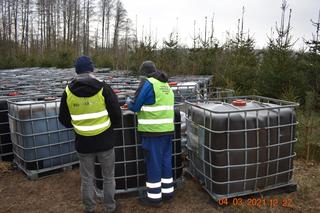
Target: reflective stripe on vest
<point>156,121</point>
<point>158,117</point>
<point>156,108</point>
<point>93,127</point>
<point>89,115</point>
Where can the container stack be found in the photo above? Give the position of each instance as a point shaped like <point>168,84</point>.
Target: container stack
<point>235,145</point>
<point>17,84</point>
<point>40,145</point>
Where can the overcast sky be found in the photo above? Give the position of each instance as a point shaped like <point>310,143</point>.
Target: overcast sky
<point>168,16</point>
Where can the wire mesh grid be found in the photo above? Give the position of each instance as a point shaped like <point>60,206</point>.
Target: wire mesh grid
<point>130,174</point>
<point>6,152</point>
<point>40,142</point>
<point>236,151</point>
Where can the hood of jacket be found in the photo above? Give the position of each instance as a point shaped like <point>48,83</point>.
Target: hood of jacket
<point>159,75</point>
<point>85,85</point>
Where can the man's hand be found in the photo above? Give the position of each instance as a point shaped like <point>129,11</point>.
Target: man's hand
<point>124,106</point>
<point>128,100</point>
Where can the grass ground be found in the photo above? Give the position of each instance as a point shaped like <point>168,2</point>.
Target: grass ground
<point>61,193</point>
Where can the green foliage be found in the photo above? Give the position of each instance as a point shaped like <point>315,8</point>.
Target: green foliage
<point>171,54</point>
<point>310,66</point>
<point>308,129</point>
<point>281,71</point>
<point>241,65</point>
<point>32,61</point>
<point>102,59</point>
<point>64,58</point>
<point>139,53</point>
<point>289,94</point>
<point>8,58</point>
<point>47,60</point>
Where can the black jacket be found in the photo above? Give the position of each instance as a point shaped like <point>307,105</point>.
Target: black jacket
<point>86,85</point>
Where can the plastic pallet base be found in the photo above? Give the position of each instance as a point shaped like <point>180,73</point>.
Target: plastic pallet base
<point>38,174</point>
<point>276,190</point>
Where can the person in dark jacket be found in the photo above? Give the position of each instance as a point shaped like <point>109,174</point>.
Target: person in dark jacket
<point>154,104</point>
<point>92,109</point>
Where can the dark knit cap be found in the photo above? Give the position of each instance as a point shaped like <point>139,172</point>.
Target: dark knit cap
<point>147,67</point>
<point>84,64</point>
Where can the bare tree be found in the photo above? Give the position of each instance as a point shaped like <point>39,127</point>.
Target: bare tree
<point>314,43</point>
<point>25,14</point>
<point>106,13</point>
<point>15,5</point>
<point>42,26</point>
<point>284,38</point>
<point>119,22</point>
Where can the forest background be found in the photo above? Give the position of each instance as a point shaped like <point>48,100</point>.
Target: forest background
<point>53,33</point>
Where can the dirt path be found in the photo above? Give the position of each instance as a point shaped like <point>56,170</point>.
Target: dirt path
<point>61,193</point>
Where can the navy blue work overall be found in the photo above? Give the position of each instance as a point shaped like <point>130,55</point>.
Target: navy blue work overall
<point>158,159</point>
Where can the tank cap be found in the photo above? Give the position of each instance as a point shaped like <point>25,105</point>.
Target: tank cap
<point>173,83</point>
<point>239,102</point>
<point>15,93</point>
<point>50,98</point>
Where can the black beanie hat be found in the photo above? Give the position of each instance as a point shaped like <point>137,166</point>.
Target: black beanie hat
<point>147,67</point>
<point>83,64</point>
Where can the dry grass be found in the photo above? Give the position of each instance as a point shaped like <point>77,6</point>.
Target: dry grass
<point>61,193</point>
<point>5,167</point>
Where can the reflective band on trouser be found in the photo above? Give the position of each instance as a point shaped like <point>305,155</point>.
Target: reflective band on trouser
<point>167,190</point>
<point>155,121</point>
<point>167,186</point>
<point>153,185</point>
<point>154,196</point>
<point>166,180</point>
<point>156,108</point>
<point>89,115</point>
<point>92,128</point>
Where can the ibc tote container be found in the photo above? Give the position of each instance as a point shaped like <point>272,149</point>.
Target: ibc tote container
<point>241,147</point>
<point>5,141</point>
<point>40,142</point>
<point>191,87</point>
<point>6,153</point>
<point>130,174</point>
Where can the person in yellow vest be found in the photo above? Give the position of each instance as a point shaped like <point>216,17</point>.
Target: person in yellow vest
<point>92,109</point>
<point>154,104</point>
